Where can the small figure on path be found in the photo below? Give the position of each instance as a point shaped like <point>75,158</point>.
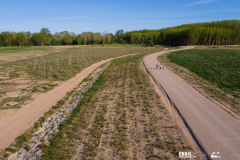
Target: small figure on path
<point>157,66</point>
<point>162,66</point>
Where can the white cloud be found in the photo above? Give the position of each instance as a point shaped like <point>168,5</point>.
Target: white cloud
<point>200,2</point>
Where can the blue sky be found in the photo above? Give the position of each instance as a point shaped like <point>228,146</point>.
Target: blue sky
<point>108,15</point>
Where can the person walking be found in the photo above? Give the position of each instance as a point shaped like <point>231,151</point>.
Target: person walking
<point>162,66</point>
<point>157,66</point>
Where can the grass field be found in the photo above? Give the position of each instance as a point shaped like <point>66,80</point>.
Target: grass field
<point>221,67</point>
<point>23,49</point>
<point>219,70</point>
<point>120,117</point>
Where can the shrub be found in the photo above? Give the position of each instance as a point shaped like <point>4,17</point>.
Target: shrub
<point>28,148</point>
<point>150,43</point>
<point>5,155</point>
<point>10,150</point>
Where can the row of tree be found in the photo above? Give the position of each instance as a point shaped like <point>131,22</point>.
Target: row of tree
<point>210,33</point>
<point>44,37</point>
<point>225,32</point>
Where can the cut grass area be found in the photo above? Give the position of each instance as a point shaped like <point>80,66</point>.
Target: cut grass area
<point>120,117</point>
<point>215,72</point>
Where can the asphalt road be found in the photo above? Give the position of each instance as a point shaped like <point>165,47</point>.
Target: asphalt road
<point>213,128</point>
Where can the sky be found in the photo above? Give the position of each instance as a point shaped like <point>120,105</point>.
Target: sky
<point>111,15</point>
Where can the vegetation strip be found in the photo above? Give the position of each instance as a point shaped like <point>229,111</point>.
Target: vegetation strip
<point>120,117</point>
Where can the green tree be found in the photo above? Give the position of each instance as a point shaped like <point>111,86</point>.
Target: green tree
<point>21,39</point>
<point>119,33</point>
<point>45,30</point>
<point>150,43</point>
<point>1,43</point>
<point>57,36</point>
<point>67,40</point>
<point>79,39</point>
<point>28,35</point>
<point>7,38</point>
<point>65,33</point>
<point>38,39</point>
<point>193,35</point>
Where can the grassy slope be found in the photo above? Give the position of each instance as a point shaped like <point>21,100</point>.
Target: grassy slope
<point>218,69</point>
<point>120,117</point>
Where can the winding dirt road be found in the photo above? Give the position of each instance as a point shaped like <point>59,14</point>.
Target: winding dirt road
<point>15,124</point>
<point>212,128</point>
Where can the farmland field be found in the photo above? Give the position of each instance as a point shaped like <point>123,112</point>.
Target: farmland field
<point>24,79</point>
<point>120,117</point>
<point>219,69</point>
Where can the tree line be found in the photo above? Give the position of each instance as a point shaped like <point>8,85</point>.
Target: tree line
<point>44,37</point>
<point>225,32</point>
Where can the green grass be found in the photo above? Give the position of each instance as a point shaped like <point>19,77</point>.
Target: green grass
<point>23,49</point>
<point>219,66</point>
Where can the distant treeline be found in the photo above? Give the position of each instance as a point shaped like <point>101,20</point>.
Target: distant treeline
<point>225,32</point>
<point>44,37</point>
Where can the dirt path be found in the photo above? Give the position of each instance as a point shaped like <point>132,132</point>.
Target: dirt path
<point>15,123</point>
<point>214,129</point>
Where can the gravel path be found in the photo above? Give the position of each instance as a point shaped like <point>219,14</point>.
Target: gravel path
<point>214,129</point>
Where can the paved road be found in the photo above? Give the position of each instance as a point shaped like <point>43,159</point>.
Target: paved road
<point>214,129</point>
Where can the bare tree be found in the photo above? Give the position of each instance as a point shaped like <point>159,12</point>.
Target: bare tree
<point>94,36</point>
<point>88,38</point>
<point>84,35</point>
<point>73,34</point>
<point>109,38</point>
<point>103,39</point>
<point>104,33</point>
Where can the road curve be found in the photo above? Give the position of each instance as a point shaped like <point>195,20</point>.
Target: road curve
<point>214,129</point>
